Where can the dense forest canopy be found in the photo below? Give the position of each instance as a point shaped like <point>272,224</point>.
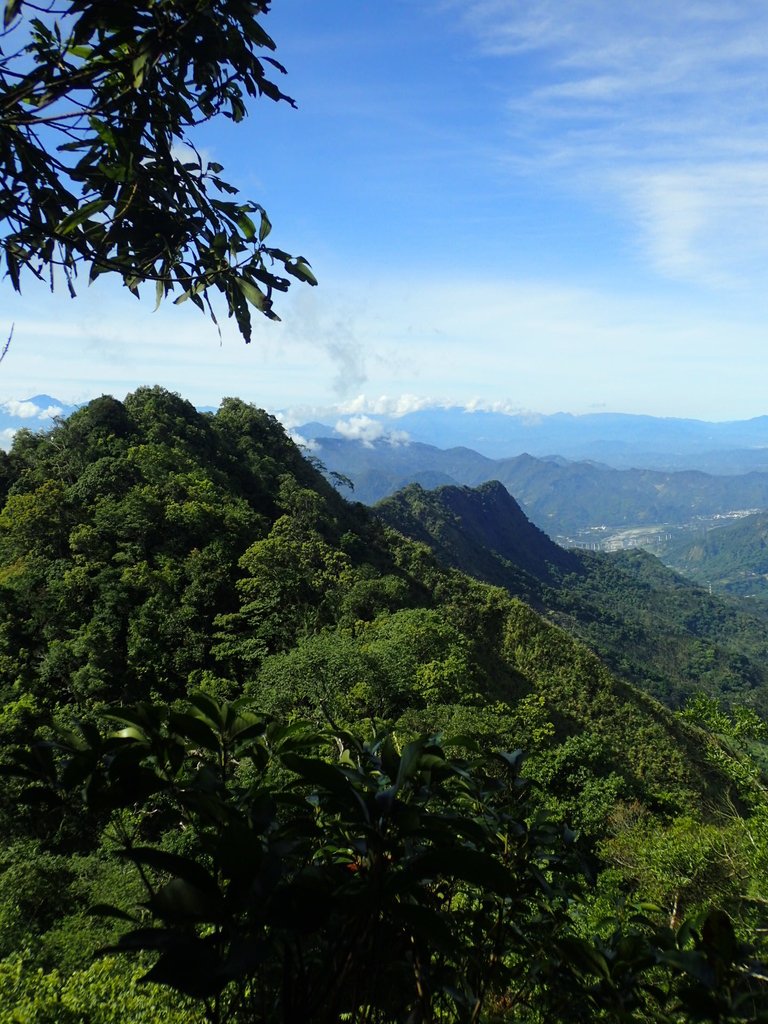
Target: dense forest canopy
<point>666,635</point>
<point>170,561</point>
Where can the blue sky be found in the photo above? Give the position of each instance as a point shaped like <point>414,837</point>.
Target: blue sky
<point>523,204</point>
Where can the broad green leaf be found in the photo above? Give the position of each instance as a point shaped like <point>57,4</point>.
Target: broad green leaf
<point>690,962</point>
<point>189,966</point>
<point>173,864</point>
<point>246,225</point>
<point>195,729</point>
<point>583,954</point>
<point>180,900</point>
<point>209,709</point>
<point>409,761</point>
<point>138,68</point>
<point>469,865</point>
<point>12,8</point>
<point>301,270</point>
<point>82,214</point>
<point>254,295</point>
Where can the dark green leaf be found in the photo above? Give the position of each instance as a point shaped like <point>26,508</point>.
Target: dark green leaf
<point>173,864</point>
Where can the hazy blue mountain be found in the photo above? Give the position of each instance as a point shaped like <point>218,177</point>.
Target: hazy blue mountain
<point>35,413</point>
<point>379,468</point>
<point>621,440</point>
<point>559,496</point>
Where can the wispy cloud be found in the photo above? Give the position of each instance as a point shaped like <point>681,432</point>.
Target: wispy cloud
<point>662,106</point>
<point>333,331</point>
<point>389,405</point>
<point>709,223</point>
<point>505,407</point>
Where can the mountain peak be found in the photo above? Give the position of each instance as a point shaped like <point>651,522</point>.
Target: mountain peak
<point>482,531</point>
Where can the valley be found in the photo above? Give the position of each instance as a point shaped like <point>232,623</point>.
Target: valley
<point>656,538</point>
<point>350,706</point>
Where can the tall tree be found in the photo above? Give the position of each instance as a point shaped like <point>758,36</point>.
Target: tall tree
<point>99,100</point>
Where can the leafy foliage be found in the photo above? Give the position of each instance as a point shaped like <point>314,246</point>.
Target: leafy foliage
<point>149,552</point>
<point>391,885</point>
<point>105,992</point>
<point>99,100</point>
<point>650,626</point>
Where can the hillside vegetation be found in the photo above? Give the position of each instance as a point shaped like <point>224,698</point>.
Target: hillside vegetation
<point>732,558</point>
<point>153,554</point>
<point>560,496</point>
<point>648,624</point>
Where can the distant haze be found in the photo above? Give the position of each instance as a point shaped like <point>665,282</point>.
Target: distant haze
<point>560,206</point>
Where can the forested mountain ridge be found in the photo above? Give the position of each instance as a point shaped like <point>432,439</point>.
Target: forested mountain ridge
<point>651,626</point>
<point>147,548</point>
<point>148,551</point>
<point>561,497</point>
<point>471,529</point>
<point>732,558</point>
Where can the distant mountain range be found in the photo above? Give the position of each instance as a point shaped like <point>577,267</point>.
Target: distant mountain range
<point>619,440</point>
<point>616,439</point>
<point>561,497</point>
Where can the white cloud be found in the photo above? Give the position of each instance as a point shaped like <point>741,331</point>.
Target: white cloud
<point>363,407</point>
<point>49,412</point>
<point>24,410</point>
<point>360,428</point>
<point>709,223</point>
<point>367,430</point>
<point>30,410</point>
<point>6,437</point>
<point>397,438</point>
<point>659,108</point>
<point>503,406</point>
<point>385,405</point>
<point>309,444</point>
<point>333,330</point>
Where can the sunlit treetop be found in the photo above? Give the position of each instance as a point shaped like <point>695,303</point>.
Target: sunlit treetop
<point>99,171</point>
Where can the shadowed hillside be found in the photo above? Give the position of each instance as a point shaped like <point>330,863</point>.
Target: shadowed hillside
<point>652,626</point>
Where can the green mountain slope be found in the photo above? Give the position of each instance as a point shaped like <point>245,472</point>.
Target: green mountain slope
<point>651,626</point>
<point>732,558</point>
<point>148,551</point>
<point>482,531</point>
<point>559,496</point>
<point>147,548</point>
